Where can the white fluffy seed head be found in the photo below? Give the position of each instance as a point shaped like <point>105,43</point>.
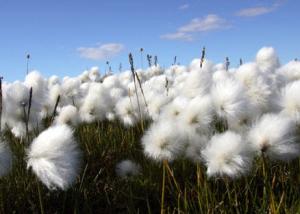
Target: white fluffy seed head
<point>17,96</point>
<point>53,80</point>
<point>198,114</point>
<point>289,101</point>
<point>227,155</point>
<point>290,71</point>
<point>175,108</point>
<point>163,141</point>
<point>70,91</point>
<point>267,59</point>
<point>229,99</point>
<point>54,157</point>
<point>94,74</point>
<point>126,111</point>
<point>274,135</point>
<point>96,103</point>
<point>127,168</point>
<point>68,115</point>
<point>197,83</point>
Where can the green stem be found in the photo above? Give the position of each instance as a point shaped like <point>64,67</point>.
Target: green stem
<point>40,197</point>
<point>163,188</point>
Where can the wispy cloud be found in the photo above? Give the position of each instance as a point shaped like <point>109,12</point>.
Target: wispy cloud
<point>101,52</point>
<point>184,7</point>
<point>254,11</point>
<point>177,36</point>
<point>187,32</point>
<point>257,11</point>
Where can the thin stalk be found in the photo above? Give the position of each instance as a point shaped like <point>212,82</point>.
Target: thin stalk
<point>55,108</point>
<point>265,175</point>
<point>29,104</point>
<point>199,182</point>
<point>167,86</point>
<point>140,85</point>
<point>25,119</point>
<point>280,202</point>
<point>40,197</point>
<point>136,92</point>
<point>148,206</point>
<point>142,64</point>
<point>28,114</point>
<point>173,177</point>
<point>27,63</point>
<point>162,205</point>
<point>202,57</point>
<point>178,203</point>
<point>228,190</point>
<point>227,63</point>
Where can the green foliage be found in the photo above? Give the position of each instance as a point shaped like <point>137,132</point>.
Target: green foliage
<point>270,187</point>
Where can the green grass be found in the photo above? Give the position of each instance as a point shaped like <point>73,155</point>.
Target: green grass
<point>270,187</point>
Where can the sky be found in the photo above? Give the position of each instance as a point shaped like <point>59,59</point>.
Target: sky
<point>66,37</point>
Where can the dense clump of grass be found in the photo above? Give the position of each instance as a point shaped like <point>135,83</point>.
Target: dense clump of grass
<point>270,187</point>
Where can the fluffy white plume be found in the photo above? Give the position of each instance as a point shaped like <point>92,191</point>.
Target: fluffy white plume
<point>127,168</point>
<point>126,111</point>
<point>197,83</point>
<point>70,91</point>
<point>162,142</point>
<point>275,136</point>
<point>35,81</point>
<point>267,59</point>
<point>229,99</point>
<point>96,103</point>
<point>68,115</point>
<point>94,74</point>
<point>198,114</point>
<point>227,155</point>
<point>290,71</point>
<point>53,80</point>
<point>54,157</point>
<point>290,101</point>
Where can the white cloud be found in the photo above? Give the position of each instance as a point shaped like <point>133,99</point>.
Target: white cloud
<point>177,36</point>
<point>208,23</point>
<point>101,52</point>
<point>254,11</point>
<point>257,11</point>
<point>184,7</point>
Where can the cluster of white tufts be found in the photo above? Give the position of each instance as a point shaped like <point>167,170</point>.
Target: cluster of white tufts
<point>221,117</point>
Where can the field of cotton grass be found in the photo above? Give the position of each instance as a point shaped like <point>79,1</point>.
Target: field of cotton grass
<point>202,138</point>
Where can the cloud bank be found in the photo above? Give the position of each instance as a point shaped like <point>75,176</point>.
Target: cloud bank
<point>101,52</point>
<point>257,11</point>
<point>186,32</point>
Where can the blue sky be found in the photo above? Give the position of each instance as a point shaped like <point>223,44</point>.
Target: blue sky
<point>66,37</point>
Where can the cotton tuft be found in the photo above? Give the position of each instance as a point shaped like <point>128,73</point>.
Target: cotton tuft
<point>163,141</point>
<point>227,155</point>
<point>127,168</point>
<point>54,157</point>
<point>275,136</point>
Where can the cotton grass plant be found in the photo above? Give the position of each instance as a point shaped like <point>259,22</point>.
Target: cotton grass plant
<point>204,139</point>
